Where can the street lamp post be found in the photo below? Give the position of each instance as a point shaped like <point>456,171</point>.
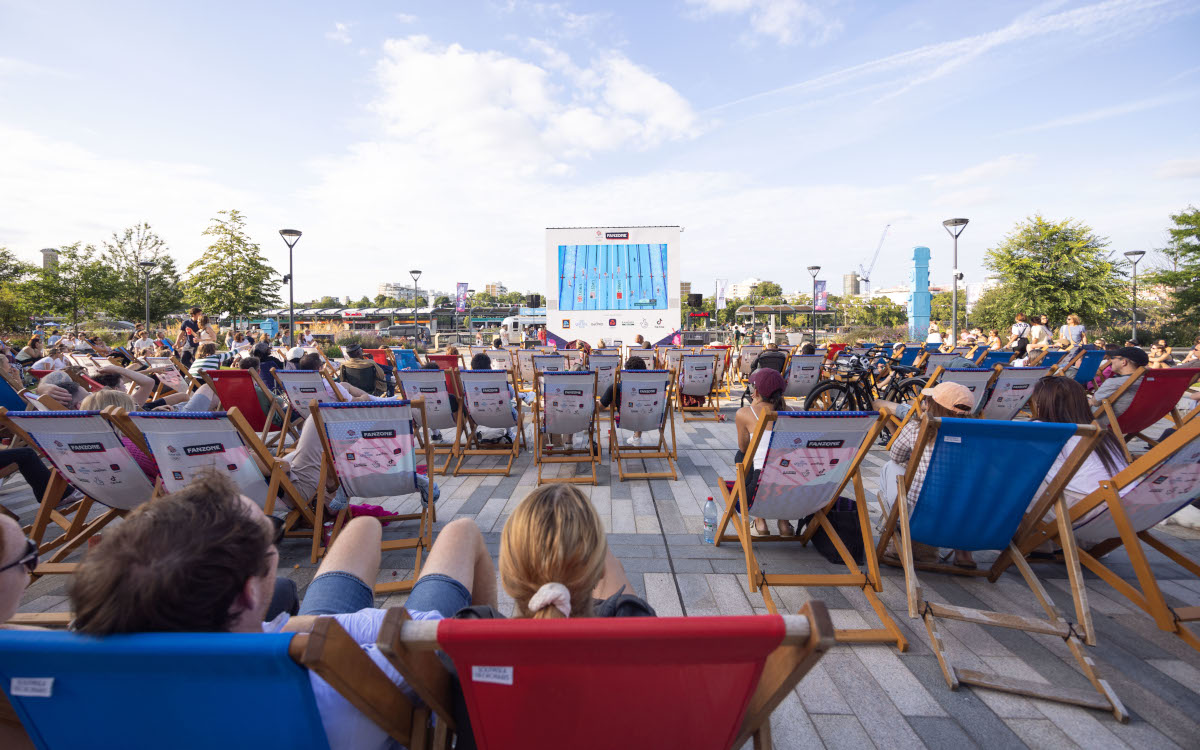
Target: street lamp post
<point>955,227</point>
<point>1135,256</point>
<point>291,237</point>
<point>147,267</point>
<point>415,275</point>
<point>814,270</point>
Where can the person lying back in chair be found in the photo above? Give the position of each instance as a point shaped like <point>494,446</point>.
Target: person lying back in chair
<point>1124,362</point>
<point>771,358</point>
<point>203,560</point>
<point>362,372</point>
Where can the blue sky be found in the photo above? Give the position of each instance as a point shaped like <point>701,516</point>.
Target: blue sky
<point>446,136</point>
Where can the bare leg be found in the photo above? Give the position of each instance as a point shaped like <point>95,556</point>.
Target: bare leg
<point>460,553</point>
<point>614,577</point>
<point>356,550</point>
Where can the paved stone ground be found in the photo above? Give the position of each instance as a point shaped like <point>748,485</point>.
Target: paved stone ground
<point>862,695</point>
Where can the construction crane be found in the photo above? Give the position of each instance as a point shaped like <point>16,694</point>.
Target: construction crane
<point>864,272</point>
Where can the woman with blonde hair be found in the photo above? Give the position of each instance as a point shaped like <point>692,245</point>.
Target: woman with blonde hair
<point>1073,334</point>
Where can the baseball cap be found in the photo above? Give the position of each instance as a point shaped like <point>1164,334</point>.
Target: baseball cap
<point>766,382</point>
<point>1134,355</point>
<point>951,396</point>
<point>296,353</point>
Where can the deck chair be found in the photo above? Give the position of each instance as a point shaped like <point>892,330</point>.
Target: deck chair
<point>935,360</point>
<point>811,458</point>
<point>1049,358</point>
<point>71,690</point>
<point>1125,510</point>
<point>645,355</point>
<point>1011,391</point>
<point>696,376</point>
<point>488,401</point>
<point>702,683</point>
<point>430,385</point>
<point>524,370</point>
<point>1087,364</point>
<point>746,356</point>
<point>572,356</point>
<point>909,357</point>
<point>502,359</point>
<point>644,405</point>
<point>9,396</point>
<point>370,448</point>
<point>176,378</point>
<point>299,388</point>
<point>86,454</point>
<point>671,358</point>
<point>34,402</point>
<point>947,515</point>
<point>566,404</point>
<point>605,366</point>
<point>996,357</point>
<point>403,359</point>
<point>240,389</point>
<point>724,357</point>
<point>544,363</point>
<point>978,380</point>
<point>802,374</point>
<point>1157,395</point>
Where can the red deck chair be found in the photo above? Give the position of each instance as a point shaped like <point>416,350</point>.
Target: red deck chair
<point>832,352</point>
<point>236,388</point>
<point>1156,397</point>
<point>380,356</point>
<point>583,683</point>
<point>451,363</point>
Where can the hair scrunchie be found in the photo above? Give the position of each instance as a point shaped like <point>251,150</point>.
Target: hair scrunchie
<point>551,595</point>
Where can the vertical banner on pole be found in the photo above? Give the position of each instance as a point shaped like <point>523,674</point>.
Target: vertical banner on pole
<point>721,293</point>
<point>461,298</point>
<point>822,300</point>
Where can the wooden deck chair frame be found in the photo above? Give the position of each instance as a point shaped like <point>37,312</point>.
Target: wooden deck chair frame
<point>934,379</point>
<point>188,378</point>
<point>618,453</point>
<point>710,410</point>
<point>426,518</point>
<point>468,443</point>
<point>1146,594</point>
<point>738,513</point>
<point>293,416</point>
<point>1144,376</point>
<point>285,430</point>
<point>724,362</point>
<point>742,370</point>
<point>411,647</point>
<point>545,452</point>
<point>1075,635</point>
<point>450,451</point>
<point>1076,361</point>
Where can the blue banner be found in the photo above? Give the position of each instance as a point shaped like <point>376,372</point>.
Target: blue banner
<point>822,296</point>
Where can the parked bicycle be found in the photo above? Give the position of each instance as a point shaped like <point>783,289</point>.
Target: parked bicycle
<point>854,384</point>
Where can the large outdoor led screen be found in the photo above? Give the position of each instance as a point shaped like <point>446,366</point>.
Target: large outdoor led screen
<point>612,277</point>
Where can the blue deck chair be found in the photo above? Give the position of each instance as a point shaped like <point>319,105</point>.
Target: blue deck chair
<point>1051,359</point>
<point>9,398</point>
<point>997,357</point>
<point>910,355</point>
<point>812,457</point>
<point>1088,365</point>
<point>946,514</point>
<point>404,359</point>
<point>194,690</point>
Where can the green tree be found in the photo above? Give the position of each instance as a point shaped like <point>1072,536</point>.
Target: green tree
<point>1183,266</point>
<point>364,302</point>
<point>14,302</point>
<point>767,289</point>
<point>442,301</point>
<point>996,309</point>
<point>382,300</point>
<point>326,303</point>
<point>941,304</point>
<point>232,276</point>
<point>79,285</point>
<point>123,254</point>
<point>1056,268</point>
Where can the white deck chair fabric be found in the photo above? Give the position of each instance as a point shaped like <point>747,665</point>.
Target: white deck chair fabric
<point>89,454</point>
<point>525,365</point>
<point>643,399</point>
<point>939,360</point>
<point>803,374</point>
<point>302,386</point>
<point>171,378</point>
<point>573,357</point>
<point>568,402</point>
<point>488,398</point>
<point>429,385</point>
<point>501,359</point>
<point>673,356</point>
<point>1157,496</point>
<point>549,363</point>
<point>746,358</point>
<point>373,447</point>
<point>806,459</point>
<point>185,444</point>
<point>1012,391</point>
<point>974,380</point>
<point>646,355</point>
<point>605,366</point>
<point>698,373</point>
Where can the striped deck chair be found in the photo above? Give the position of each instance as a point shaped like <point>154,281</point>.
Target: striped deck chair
<point>70,690</point>
<point>1011,391</point>
<point>978,380</point>
<point>1124,511</point>
<point>430,385</point>
<point>403,359</point>
<point>811,458</point>
<point>86,454</point>
<point>566,405</point>
<point>1086,363</point>
<point>746,356</point>
<point>802,375</point>
<point>369,446</point>
<point>1158,393</point>
<point>696,376</point>
<point>605,366</point>
<point>997,357</point>
<point>727,673</point>
<point>239,389</point>
<point>487,400</point>
<point>644,404</point>
<point>299,388</point>
<point>946,514</point>
<point>174,378</point>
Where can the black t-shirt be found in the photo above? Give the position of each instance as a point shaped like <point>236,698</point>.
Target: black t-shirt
<point>193,332</point>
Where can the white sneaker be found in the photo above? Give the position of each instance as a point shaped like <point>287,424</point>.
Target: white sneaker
<point>633,441</point>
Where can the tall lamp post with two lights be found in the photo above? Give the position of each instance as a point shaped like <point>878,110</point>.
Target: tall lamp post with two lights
<point>415,275</point>
<point>1135,256</point>
<point>814,270</point>
<point>148,267</point>
<point>955,227</point>
<point>291,237</point>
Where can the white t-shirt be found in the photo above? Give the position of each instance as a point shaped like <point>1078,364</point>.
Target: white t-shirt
<point>345,726</point>
<point>1021,329</point>
<point>143,343</point>
<point>1086,480</point>
<point>934,337</point>
<point>307,338</point>
<point>49,363</point>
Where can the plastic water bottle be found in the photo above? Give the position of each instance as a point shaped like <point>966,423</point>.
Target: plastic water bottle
<point>710,521</point>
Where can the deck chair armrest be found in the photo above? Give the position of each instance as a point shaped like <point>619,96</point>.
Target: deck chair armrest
<point>330,652</point>
<point>408,646</point>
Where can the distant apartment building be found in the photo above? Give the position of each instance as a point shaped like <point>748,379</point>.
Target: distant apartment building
<point>49,258</point>
<point>744,288</point>
<point>685,288</point>
<point>495,289</point>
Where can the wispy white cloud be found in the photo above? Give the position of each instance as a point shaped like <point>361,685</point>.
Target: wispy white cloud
<point>983,173</point>
<point>1179,169</point>
<point>1105,113</point>
<point>406,18</point>
<point>785,21</point>
<point>340,33</point>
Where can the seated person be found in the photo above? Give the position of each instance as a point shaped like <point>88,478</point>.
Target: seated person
<point>1160,356</point>
<point>266,361</point>
<point>36,475</point>
<point>204,558</point>
<point>771,357</point>
<point>1193,357</point>
<point>767,387</point>
<point>62,388</point>
<point>993,340</point>
<point>609,396</point>
<point>207,358</point>
<point>348,392</point>
<point>497,343</point>
<point>1020,353</point>
<point>1124,363</point>
<point>943,400</point>
<point>55,360</point>
<point>481,361</point>
<point>362,372</point>
<point>1104,371</point>
<point>293,359</point>
<point>31,352</point>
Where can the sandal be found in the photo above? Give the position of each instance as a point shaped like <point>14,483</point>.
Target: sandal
<point>786,529</point>
<point>756,531</point>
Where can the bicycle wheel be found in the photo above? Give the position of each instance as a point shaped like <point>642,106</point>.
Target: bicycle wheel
<point>831,396</point>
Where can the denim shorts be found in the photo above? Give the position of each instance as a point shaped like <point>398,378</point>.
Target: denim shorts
<point>436,592</point>
<point>336,593</point>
